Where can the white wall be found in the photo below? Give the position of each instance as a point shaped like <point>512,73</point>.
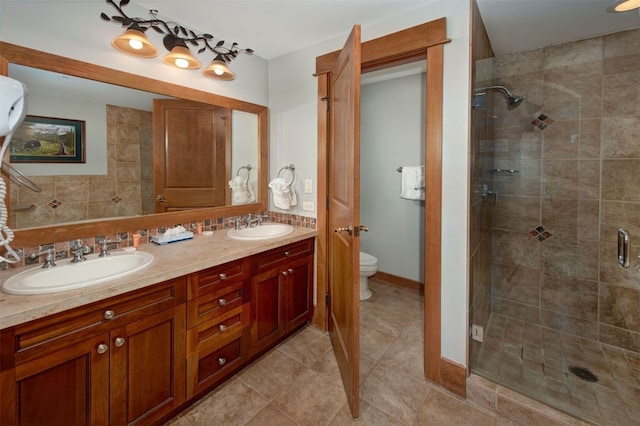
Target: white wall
<point>75,30</point>
<point>392,135</point>
<point>292,102</point>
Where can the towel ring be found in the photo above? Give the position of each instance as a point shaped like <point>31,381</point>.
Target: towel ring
<point>248,168</point>
<point>292,169</point>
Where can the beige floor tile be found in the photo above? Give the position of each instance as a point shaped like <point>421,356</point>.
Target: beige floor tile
<point>394,393</point>
<point>442,409</point>
<point>271,372</point>
<point>307,346</point>
<point>233,404</point>
<point>311,399</point>
<point>271,416</point>
<point>369,416</point>
<point>373,342</point>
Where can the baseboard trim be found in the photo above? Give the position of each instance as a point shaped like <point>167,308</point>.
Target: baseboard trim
<point>400,282</point>
<point>453,377</point>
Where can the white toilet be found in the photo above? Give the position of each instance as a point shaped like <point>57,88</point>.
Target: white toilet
<point>368,267</point>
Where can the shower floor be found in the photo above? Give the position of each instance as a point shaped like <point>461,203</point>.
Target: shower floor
<point>536,361</point>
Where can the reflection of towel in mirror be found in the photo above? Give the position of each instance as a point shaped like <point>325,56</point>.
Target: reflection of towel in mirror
<point>412,183</point>
<point>240,192</point>
<point>293,197</point>
<point>280,191</point>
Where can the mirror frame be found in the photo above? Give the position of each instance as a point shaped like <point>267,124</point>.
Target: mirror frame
<point>11,53</point>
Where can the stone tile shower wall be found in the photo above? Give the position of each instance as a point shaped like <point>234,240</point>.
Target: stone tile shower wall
<point>575,143</point>
<point>71,198</point>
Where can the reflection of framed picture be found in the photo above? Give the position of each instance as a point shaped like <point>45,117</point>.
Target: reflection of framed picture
<point>48,140</point>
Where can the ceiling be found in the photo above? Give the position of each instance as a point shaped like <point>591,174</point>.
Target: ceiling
<point>274,28</point>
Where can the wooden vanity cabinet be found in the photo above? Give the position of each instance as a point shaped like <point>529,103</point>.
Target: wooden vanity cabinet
<point>218,324</point>
<point>117,361</point>
<point>281,293</point>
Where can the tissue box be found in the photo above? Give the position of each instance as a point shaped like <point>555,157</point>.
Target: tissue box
<point>166,239</point>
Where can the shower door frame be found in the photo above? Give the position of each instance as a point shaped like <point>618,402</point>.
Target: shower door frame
<point>422,42</point>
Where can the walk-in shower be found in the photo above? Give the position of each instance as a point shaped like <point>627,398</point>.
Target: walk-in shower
<point>480,101</point>
<point>555,316</point>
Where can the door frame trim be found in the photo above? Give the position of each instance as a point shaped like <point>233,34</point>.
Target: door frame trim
<point>422,42</point>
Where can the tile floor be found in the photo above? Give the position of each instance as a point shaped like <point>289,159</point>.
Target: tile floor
<point>535,361</point>
<point>298,382</point>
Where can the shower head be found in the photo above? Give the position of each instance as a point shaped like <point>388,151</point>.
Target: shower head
<point>513,100</point>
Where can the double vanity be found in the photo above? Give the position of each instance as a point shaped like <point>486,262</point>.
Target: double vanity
<point>138,348</point>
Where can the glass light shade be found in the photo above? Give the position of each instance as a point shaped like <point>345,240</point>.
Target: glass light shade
<point>624,6</point>
<point>180,57</point>
<point>219,69</point>
<point>134,42</point>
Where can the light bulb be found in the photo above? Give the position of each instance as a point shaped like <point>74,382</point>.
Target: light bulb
<point>135,44</point>
<point>182,63</point>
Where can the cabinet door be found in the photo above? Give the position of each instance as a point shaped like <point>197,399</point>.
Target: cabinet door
<point>298,292</point>
<point>267,316</point>
<point>148,367</point>
<point>68,387</point>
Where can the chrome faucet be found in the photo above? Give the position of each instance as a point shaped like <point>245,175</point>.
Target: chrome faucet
<point>104,247</point>
<point>79,250</point>
<point>48,260</point>
<point>251,219</point>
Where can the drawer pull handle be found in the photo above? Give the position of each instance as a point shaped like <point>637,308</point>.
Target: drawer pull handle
<point>223,276</point>
<point>119,342</point>
<point>222,361</point>
<point>222,302</point>
<point>222,328</point>
<point>290,270</point>
<point>102,348</point>
<point>287,253</point>
<point>109,314</point>
<point>285,273</point>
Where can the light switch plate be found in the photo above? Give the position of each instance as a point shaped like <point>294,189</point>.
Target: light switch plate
<point>308,186</point>
<point>308,206</point>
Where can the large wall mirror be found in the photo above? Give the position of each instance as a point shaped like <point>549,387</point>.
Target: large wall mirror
<point>155,153</point>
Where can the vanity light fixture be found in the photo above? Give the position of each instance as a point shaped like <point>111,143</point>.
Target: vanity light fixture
<point>176,38</point>
<point>623,6</point>
<point>219,69</point>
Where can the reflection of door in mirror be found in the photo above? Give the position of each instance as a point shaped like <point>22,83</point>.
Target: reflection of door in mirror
<point>192,156</point>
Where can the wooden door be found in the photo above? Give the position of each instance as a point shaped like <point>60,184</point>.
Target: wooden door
<point>148,367</point>
<point>344,215</point>
<point>191,154</point>
<point>66,387</point>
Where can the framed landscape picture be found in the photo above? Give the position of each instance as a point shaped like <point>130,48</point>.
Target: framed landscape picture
<point>48,140</point>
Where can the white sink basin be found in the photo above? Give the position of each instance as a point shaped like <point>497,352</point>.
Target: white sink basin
<point>261,232</point>
<point>69,276</point>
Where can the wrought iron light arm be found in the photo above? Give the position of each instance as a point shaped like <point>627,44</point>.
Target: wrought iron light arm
<point>173,33</point>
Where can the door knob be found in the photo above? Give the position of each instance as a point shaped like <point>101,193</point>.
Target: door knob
<point>160,198</point>
<point>102,348</point>
<point>348,229</point>
<point>119,342</point>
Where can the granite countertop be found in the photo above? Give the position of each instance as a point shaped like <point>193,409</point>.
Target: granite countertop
<point>171,261</point>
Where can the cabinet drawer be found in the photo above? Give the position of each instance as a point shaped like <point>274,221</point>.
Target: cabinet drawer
<point>46,335</point>
<point>275,257</point>
<point>214,331</point>
<point>203,281</point>
<point>217,301</point>
<point>211,366</point>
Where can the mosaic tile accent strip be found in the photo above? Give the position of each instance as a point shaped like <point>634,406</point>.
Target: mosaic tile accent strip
<point>540,233</point>
<point>54,204</point>
<point>542,121</point>
<point>116,199</point>
<point>126,237</point>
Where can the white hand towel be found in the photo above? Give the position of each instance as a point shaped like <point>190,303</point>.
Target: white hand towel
<point>280,191</point>
<point>239,190</point>
<point>293,197</point>
<point>412,183</point>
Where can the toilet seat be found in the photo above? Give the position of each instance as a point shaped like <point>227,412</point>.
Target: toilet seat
<point>367,260</point>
